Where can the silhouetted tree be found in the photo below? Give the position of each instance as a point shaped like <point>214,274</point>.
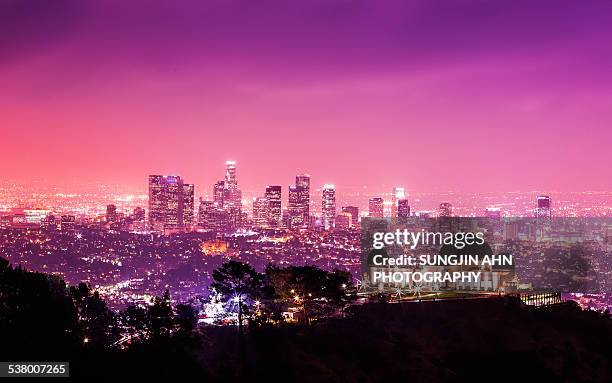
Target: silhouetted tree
<point>160,316</point>
<point>239,283</point>
<point>319,292</point>
<point>37,315</point>
<point>97,321</point>
<point>134,322</point>
<point>185,318</point>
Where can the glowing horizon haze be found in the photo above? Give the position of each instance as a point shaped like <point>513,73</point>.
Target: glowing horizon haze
<point>463,95</point>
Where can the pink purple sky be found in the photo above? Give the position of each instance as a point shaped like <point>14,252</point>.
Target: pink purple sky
<point>433,95</point>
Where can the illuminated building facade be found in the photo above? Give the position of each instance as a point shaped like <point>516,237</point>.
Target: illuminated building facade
<point>354,212</point>
<point>343,221</point>
<point>399,194</point>
<point>403,210</point>
<point>299,201</point>
<point>188,204</point>
<point>376,207</point>
<point>274,211</point>
<point>170,200</point>
<point>328,206</point>
<point>260,212</point>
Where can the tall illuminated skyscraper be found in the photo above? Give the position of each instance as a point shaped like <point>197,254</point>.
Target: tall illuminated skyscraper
<point>376,207</point>
<point>328,206</point>
<point>398,194</point>
<point>173,195</point>
<point>170,201</point>
<point>260,212</point>
<point>299,202</point>
<point>228,197</point>
<point>233,195</point>
<point>403,210</point>
<point>273,196</point>
<point>219,193</point>
<point>543,217</point>
<point>302,181</point>
<point>230,173</point>
<point>206,214</point>
<point>294,209</point>
<point>188,204</point>
<point>157,202</point>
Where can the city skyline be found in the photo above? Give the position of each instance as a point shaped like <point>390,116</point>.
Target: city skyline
<point>435,97</point>
<point>235,190</point>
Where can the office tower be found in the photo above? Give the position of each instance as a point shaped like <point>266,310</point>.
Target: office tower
<point>219,193</point>
<point>232,194</point>
<point>157,205</point>
<point>298,208</point>
<point>206,214</point>
<point>173,195</point>
<point>493,212</point>
<point>376,207</point>
<point>328,206</point>
<point>188,204</point>
<point>230,173</point>
<point>295,215</point>
<point>260,212</point>
<point>273,195</point>
<point>228,196</point>
<point>354,212</point>
<point>343,221</point>
<point>111,213</point>
<point>543,207</point>
<point>169,197</point>
<point>403,210</point>
<point>398,194</point>
<point>299,202</point>
<point>445,210</point>
<point>543,217</point>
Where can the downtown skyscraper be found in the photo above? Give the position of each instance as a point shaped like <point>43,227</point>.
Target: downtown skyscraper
<point>260,212</point>
<point>299,202</point>
<point>170,203</point>
<point>376,207</point>
<point>354,212</point>
<point>328,206</point>
<point>399,194</point>
<point>224,212</point>
<point>403,210</point>
<point>274,213</point>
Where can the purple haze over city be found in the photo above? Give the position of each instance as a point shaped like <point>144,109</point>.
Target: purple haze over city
<point>465,95</point>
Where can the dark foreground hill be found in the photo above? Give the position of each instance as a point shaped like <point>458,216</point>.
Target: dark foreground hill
<point>473,340</point>
<point>493,339</point>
